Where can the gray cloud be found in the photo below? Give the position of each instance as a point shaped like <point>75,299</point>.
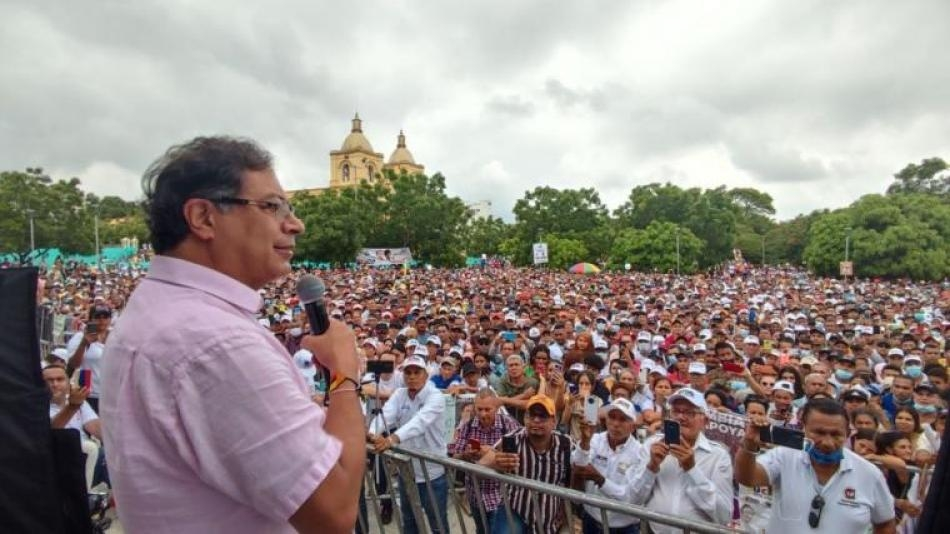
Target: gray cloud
<point>816,103</point>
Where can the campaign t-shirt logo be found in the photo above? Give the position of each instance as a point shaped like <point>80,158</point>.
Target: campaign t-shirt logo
<point>849,493</point>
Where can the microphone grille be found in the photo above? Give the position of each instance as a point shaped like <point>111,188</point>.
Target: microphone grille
<point>310,289</point>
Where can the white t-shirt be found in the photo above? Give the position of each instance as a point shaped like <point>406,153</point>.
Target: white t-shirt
<point>83,415</point>
<point>92,360</point>
<point>856,496</point>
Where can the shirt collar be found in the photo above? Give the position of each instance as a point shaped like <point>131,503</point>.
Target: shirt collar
<point>702,443</point>
<point>189,274</point>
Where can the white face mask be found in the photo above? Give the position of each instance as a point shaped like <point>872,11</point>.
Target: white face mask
<point>888,381</point>
<point>295,332</point>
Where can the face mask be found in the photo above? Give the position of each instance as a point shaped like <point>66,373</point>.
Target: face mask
<point>824,458</point>
<point>704,323</point>
<point>888,381</point>
<point>804,352</point>
<point>296,331</point>
<point>843,375</point>
<point>737,385</point>
<point>925,408</point>
<point>914,371</point>
<point>601,327</point>
<point>579,328</point>
<point>670,360</point>
<point>743,332</point>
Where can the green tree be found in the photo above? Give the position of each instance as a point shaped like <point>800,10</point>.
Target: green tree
<point>927,177</point>
<point>654,248</point>
<point>57,208</point>
<point>564,252</point>
<point>484,236</point>
<point>576,214</point>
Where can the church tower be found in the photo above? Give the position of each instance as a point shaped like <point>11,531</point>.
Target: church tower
<point>401,159</point>
<point>355,162</point>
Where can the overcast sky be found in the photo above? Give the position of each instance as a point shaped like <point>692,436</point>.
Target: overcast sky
<point>815,102</point>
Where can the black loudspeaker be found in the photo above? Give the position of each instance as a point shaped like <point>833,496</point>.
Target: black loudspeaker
<point>38,493</point>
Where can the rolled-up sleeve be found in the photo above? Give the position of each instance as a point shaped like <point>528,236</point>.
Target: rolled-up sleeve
<point>248,428</point>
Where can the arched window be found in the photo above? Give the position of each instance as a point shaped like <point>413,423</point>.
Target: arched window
<point>346,172</point>
<point>371,172</point>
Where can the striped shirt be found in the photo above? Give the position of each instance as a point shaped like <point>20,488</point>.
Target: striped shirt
<point>489,490</point>
<point>552,466</point>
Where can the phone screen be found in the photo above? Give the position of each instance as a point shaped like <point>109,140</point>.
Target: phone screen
<point>671,432</point>
<point>590,410</point>
<point>508,444</point>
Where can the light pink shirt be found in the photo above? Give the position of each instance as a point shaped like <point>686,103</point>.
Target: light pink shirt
<point>208,425</point>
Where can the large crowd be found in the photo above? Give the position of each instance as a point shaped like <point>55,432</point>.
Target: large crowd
<point>578,380</point>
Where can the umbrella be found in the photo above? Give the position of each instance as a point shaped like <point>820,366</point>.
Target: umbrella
<point>584,268</point>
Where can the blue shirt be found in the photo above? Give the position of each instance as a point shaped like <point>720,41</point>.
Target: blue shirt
<point>442,383</point>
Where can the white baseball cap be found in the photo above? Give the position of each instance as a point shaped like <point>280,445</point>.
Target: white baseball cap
<point>414,361</point>
<point>697,368</point>
<point>751,340</point>
<point>623,406</point>
<point>421,351</point>
<point>689,395</point>
<point>785,386</point>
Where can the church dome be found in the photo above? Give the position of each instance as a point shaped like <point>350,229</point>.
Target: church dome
<point>401,154</point>
<point>356,140</point>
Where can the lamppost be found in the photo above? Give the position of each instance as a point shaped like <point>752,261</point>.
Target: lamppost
<point>677,251</point>
<point>96,227</point>
<point>847,243</point>
<point>29,213</point>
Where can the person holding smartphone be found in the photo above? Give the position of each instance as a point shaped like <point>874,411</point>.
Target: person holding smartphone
<point>85,349</point>
<point>685,475</point>
<point>474,438</point>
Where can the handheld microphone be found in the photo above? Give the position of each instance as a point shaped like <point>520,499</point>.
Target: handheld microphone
<point>310,290</point>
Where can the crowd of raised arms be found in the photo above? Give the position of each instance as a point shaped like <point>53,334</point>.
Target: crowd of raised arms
<point>524,351</point>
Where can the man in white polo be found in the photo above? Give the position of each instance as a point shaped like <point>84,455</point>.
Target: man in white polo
<point>604,460</point>
<point>826,488</point>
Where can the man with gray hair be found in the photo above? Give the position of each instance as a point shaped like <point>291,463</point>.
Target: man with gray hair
<point>475,437</point>
<point>515,388</point>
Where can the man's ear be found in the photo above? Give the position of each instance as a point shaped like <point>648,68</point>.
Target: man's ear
<point>200,216</point>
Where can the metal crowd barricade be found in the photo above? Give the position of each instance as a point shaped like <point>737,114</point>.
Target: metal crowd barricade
<point>398,464</point>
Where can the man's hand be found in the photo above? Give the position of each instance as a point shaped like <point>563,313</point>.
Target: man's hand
<point>658,453</point>
<point>77,395</point>
<point>684,455</point>
<point>381,443</point>
<point>587,430</point>
<point>335,349</point>
<point>89,338</point>
<point>506,462</point>
<point>751,441</point>
<point>588,472</point>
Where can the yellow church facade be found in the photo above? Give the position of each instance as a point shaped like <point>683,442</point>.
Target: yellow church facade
<point>356,162</point>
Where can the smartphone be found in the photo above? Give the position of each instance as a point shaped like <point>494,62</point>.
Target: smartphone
<point>508,336</point>
<point>508,444</point>
<point>784,437</point>
<point>475,444</point>
<point>92,328</point>
<point>85,379</point>
<point>731,367</point>
<point>590,410</point>
<point>644,376</point>
<point>572,388</point>
<point>671,432</point>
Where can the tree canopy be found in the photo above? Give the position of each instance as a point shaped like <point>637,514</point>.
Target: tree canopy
<point>903,232</point>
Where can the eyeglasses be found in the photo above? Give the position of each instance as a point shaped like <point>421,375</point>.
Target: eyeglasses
<point>281,209</point>
<point>814,515</point>
<point>684,414</point>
